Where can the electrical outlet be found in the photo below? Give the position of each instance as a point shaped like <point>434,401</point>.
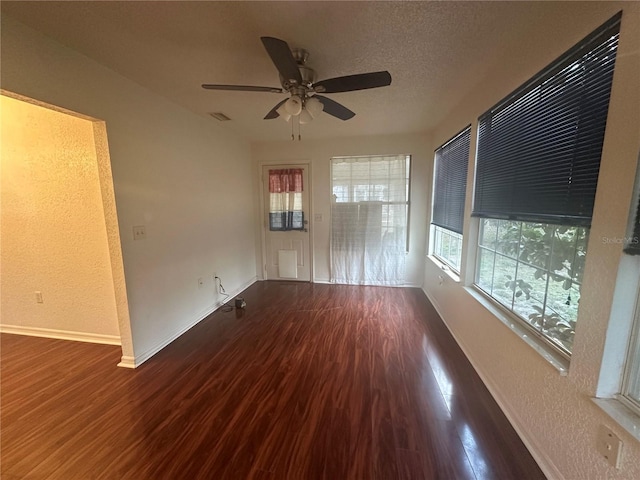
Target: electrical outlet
<point>609,445</point>
<point>39,297</point>
<point>200,282</point>
<point>139,232</point>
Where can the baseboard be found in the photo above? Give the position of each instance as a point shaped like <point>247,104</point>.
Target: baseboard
<point>405,285</point>
<point>61,334</point>
<point>135,362</point>
<point>544,462</point>
<point>127,362</point>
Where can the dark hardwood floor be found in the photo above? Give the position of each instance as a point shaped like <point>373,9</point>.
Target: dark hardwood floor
<point>310,382</point>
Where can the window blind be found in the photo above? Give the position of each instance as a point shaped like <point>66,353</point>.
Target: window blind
<point>539,149</point>
<point>450,182</point>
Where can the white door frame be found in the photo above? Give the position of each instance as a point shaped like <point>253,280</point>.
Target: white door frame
<point>309,215</point>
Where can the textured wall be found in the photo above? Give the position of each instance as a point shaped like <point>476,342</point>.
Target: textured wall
<point>53,226</point>
<point>555,413</point>
<point>185,177</point>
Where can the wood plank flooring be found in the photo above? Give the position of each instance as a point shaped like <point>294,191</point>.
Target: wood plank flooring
<point>309,382</point>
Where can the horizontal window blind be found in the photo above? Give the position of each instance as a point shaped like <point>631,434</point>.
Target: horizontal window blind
<point>450,182</point>
<point>539,149</point>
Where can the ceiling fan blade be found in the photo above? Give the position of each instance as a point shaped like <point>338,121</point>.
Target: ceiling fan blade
<point>273,112</point>
<point>334,108</point>
<point>242,88</point>
<point>350,83</point>
<point>282,58</point>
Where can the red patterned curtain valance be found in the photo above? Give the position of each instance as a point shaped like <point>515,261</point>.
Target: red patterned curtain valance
<point>285,180</point>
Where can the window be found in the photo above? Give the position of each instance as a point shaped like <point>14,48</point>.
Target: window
<point>369,219</point>
<point>633,241</point>
<point>535,270</point>
<point>536,174</point>
<point>630,392</point>
<point>630,389</point>
<point>449,193</point>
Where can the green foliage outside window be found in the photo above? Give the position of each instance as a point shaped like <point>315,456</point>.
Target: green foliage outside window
<point>535,270</point>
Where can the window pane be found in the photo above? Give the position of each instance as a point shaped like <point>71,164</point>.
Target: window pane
<point>537,275</point>
<point>504,276</point>
<point>529,290</point>
<point>632,387</point>
<point>484,271</point>
<point>535,244</point>
<point>489,232</point>
<point>508,242</point>
<point>448,247</point>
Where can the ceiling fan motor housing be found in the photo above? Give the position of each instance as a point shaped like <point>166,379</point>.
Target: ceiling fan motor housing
<point>308,75</point>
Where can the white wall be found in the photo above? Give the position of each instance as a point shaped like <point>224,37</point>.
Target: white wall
<point>54,237</point>
<point>553,413</point>
<point>319,153</point>
<point>184,177</point>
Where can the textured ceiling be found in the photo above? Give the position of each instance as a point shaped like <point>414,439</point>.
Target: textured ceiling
<point>435,52</point>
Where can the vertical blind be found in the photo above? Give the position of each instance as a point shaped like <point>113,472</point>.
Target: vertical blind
<point>369,219</point>
<point>450,182</point>
<point>539,149</point>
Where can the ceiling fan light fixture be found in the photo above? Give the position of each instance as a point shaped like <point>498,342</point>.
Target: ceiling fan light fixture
<point>282,112</point>
<point>293,106</point>
<point>305,116</point>
<point>314,106</point>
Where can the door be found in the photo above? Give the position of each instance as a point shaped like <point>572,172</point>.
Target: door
<point>286,212</point>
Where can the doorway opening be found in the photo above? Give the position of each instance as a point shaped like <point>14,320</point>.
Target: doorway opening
<point>63,275</point>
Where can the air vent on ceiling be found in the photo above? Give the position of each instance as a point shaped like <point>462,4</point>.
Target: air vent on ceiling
<point>219,116</point>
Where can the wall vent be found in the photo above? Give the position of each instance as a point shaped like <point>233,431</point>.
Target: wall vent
<point>219,116</point>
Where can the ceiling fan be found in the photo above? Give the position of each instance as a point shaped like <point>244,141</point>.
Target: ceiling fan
<point>298,80</point>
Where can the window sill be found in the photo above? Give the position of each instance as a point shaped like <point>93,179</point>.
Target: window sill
<point>560,363</point>
<point>623,416</point>
<point>445,268</point>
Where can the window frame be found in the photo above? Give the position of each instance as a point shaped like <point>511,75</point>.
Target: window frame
<point>632,363</point>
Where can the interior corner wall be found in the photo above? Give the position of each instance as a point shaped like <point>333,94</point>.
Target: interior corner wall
<point>554,414</point>
<point>318,154</point>
<point>53,228</point>
<point>187,180</point>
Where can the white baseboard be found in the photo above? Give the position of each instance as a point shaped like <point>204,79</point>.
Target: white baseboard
<point>61,334</point>
<point>127,362</point>
<point>329,282</point>
<point>134,362</point>
<point>544,462</point>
